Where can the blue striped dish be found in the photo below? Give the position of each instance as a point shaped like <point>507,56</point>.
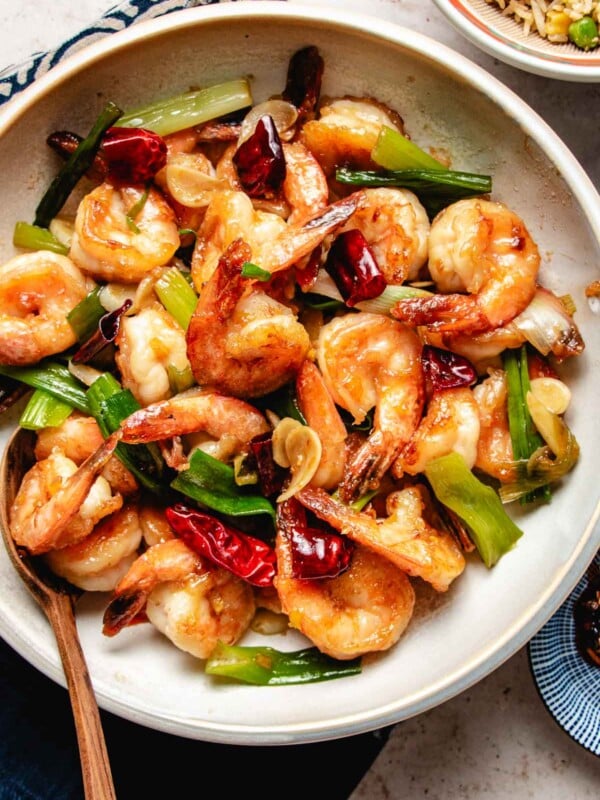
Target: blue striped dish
<point>14,79</point>
<point>568,685</point>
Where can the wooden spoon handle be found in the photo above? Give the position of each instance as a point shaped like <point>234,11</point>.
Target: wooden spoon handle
<point>95,766</point>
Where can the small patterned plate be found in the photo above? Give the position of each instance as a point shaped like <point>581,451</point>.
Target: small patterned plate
<point>568,685</point>
<point>503,37</point>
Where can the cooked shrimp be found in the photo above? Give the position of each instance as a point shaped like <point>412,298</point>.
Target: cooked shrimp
<point>396,227</point>
<point>77,438</point>
<point>320,413</point>
<point>108,245</point>
<point>275,245</point>
<point>37,291</point>
<point>193,603</point>
<point>149,345</point>
<point>346,132</point>
<point>241,341</point>
<point>191,411</point>
<point>58,503</point>
<point>482,248</point>
<point>450,425</point>
<point>98,562</point>
<point>494,449</point>
<point>305,185</point>
<point>154,525</point>
<point>364,610</point>
<point>482,349</point>
<point>545,321</point>
<point>371,361</point>
<point>230,215</point>
<point>405,537</point>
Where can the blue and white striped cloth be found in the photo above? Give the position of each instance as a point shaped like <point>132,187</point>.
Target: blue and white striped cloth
<point>16,78</point>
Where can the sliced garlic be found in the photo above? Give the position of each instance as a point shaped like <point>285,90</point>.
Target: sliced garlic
<point>550,426</point>
<point>553,393</point>
<point>282,430</point>
<point>63,230</point>
<point>283,114</point>
<point>298,447</point>
<point>269,623</point>
<point>189,182</point>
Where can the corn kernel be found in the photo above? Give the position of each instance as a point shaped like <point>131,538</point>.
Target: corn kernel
<point>557,23</point>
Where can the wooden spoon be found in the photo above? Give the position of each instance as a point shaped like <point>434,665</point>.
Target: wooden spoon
<point>57,599</point>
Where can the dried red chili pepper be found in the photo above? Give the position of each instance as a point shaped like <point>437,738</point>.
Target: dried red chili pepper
<point>316,552</point>
<point>353,267</point>
<point>245,556</point>
<point>108,328</point>
<point>270,474</point>
<point>444,369</point>
<point>259,160</point>
<point>133,155</point>
<point>303,83</point>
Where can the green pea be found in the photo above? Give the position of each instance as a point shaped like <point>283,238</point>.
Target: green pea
<point>584,33</point>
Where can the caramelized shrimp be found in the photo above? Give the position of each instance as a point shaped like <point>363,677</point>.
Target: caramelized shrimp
<point>364,610</point>
<point>37,291</point>
<point>405,537</point>
<point>192,411</point>
<point>274,244</point>
<point>98,562</point>
<point>396,227</point>
<point>194,604</point>
<point>149,344</point>
<point>58,503</point>
<point>371,361</point>
<point>450,425</point>
<point>346,132</point>
<point>482,248</point>
<point>154,525</point>
<point>320,413</point>
<point>241,341</point>
<point>494,448</point>
<point>305,186</point>
<point>109,246</point>
<point>77,438</point>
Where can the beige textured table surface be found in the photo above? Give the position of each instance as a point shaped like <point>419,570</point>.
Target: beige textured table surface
<point>496,740</point>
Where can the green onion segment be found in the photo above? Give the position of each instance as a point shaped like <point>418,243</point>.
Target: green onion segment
<point>212,483</point>
<point>265,666</point>
<point>75,167</point>
<point>34,237</point>
<point>479,507</point>
<point>191,108</point>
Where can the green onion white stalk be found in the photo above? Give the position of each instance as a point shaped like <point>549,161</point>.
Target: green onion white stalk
<point>191,108</point>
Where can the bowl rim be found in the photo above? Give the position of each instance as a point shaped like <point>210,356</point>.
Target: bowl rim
<point>536,615</point>
<point>517,53</point>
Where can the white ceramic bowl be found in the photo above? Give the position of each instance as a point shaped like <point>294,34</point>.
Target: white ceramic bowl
<point>457,638</point>
<point>502,36</point>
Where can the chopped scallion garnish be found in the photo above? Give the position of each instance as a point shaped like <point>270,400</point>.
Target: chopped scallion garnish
<point>34,237</point>
<point>44,411</point>
<point>265,666</point>
<point>191,108</point>
<point>176,295</point>
<point>478,506</point>
<point>394,151</point>
<point>53,378</point>
<point>250,270</point>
